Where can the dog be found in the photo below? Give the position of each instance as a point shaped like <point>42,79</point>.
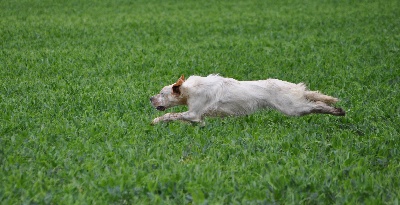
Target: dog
<point>217,96</point>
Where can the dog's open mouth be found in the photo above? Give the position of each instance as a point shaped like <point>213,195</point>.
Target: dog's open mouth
<point>160,108</point>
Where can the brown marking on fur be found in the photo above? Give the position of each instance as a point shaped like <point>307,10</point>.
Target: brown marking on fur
<point>179,82</point>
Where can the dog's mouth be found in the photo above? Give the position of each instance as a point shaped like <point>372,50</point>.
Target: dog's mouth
<point>160,108</point>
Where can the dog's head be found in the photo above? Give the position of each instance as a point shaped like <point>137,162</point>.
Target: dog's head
<point>169,96</point>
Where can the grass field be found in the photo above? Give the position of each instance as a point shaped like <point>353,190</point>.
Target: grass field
<point>76,77</point>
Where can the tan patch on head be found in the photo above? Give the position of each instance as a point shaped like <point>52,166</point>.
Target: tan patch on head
<point>179,82</point>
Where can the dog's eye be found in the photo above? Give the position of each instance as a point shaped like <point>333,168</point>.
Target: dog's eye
<point>162,93</point>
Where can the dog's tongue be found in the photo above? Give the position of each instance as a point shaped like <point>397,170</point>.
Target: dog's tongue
<point>160,108</point>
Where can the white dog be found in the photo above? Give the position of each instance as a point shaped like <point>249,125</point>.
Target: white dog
<point>217,96</point>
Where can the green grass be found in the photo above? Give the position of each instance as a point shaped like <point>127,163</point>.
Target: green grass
<point>76,77</point>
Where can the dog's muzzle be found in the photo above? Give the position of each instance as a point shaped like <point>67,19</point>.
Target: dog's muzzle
<point>160,108</point>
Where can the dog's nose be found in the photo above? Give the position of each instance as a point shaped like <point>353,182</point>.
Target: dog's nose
<point>151,99</point>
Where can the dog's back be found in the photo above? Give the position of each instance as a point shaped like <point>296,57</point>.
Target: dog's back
<point>227,96</point>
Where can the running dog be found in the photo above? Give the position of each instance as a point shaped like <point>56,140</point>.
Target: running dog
<point>216,96</point>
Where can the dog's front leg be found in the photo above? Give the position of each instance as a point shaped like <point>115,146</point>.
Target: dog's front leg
<point>167,118</point>
<point>185,116</point>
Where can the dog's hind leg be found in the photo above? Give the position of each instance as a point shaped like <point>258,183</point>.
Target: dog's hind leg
<point>322,103</point>
<point>323,108</point>
<point>313,107</point>
<point>317,96</point>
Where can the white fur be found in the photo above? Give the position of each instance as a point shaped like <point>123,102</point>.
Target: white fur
<point>218,97</point>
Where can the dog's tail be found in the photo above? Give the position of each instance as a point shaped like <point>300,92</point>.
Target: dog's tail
<point>317,96</point>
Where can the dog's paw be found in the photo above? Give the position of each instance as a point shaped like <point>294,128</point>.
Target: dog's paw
<point>340,112</point>
<point>155,121</point>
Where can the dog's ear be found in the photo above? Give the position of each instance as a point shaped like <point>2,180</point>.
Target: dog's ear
<point>175,87</point>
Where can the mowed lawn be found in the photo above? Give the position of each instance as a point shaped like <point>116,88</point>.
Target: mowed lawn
<point>76,77</point>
